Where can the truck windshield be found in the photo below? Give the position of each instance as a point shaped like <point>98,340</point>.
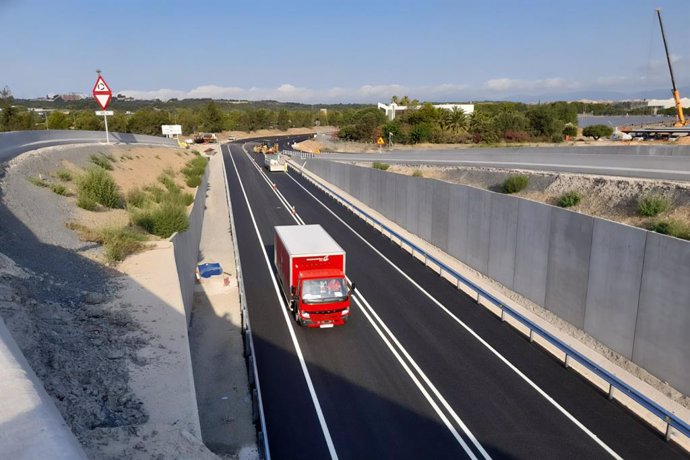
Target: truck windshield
<point>324,290</point>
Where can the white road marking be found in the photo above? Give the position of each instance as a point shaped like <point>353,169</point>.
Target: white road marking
<point>472,332</point>
<point>362,301</point>
<point>298,350</point>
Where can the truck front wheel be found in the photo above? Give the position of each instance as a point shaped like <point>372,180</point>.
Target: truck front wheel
<point>298,320</point>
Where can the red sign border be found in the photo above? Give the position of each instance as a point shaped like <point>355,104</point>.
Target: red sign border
<point>109,93</point>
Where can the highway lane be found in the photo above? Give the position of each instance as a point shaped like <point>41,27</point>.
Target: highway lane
<point>372,409</point>
<point>505,413</point>
<point>657,162</point>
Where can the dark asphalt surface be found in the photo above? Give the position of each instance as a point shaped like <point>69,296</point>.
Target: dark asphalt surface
<point>370,404</point>
<point>651,162</point>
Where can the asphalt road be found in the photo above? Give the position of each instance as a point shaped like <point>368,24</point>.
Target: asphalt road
<point>420,370</point>
<point>651,162</point>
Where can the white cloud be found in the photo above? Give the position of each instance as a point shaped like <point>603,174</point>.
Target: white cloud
<point>287,92</point>
<point>509,84</point>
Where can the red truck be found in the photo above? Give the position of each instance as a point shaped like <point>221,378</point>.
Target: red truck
<point>311,270</point>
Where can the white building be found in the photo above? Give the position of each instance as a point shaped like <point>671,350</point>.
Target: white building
<point>392,108</point>
<point>668,103</point>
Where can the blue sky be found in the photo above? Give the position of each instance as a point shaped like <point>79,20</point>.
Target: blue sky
<point>342,51</point>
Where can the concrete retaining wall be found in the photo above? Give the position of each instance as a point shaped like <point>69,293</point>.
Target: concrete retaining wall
<point>627,287</point>
<point>30,425</point>
<point>186,246</point>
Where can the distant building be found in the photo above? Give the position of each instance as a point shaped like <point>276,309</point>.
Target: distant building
<point>667,103</point>
<point>392,108</point>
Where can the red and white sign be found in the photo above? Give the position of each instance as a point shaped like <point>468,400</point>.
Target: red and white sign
<point>102,93</point>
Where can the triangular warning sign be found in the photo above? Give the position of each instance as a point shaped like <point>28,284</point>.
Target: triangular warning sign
<point>103,99</point>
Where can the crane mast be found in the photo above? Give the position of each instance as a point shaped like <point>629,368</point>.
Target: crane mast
<point>676,95</point>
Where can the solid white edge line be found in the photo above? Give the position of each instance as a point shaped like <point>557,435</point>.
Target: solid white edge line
<point>262,416</point>
<point>298,350</point>
<point>475,335</point>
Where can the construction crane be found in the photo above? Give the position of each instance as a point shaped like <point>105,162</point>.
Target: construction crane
<point>676,96</point>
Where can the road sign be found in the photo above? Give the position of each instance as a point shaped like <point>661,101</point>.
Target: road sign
<point>169,130</point>
<point>103,113</point>
<point>380,141</point>
<point>102,93</point>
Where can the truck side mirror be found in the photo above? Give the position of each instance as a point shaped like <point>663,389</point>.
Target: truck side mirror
<point>352,287</point>
<point>292,290</point>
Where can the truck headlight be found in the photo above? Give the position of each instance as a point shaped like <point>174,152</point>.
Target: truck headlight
<point>305,314</point>
<point>345,312</point>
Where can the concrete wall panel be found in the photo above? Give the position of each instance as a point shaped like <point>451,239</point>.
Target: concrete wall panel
<point>532,250</point>
<point>458,203</point>
<point>662,340</point>
<point>412,199</point>
<point>439,214</point>
<point>401,200</point>
<point>568,273</point>
<point>389,195</point>
<point>502,238</point>
<point>425,208</point>
<point>479,221</point>
<point>615,274</point>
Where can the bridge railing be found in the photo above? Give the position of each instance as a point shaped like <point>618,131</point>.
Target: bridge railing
<point>670,419</point>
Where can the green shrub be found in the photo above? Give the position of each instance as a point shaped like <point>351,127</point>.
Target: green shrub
<point>85,202</point>
<point>162,221</point>
<point>59,189</point>
<point>193,181</point>
<point>99,186</point>
<point>155,192</point>
<point>569,199</point>
<point>417,173</point>
<point>672,228</point>
<point>102,161</point>
<point>136,197</point>
<point>39,181</point>
<point>64,175</point>
<point>570,130</point>
<point>168,182</point>
<point>515,183</point>
<point>121,242</point>
<point>381,166</point>
<point>652,205</point>
<point>597,131</point>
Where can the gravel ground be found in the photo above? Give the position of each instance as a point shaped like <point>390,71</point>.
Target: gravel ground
<point>60,306</point>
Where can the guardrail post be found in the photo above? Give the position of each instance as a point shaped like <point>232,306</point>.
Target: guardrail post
<point>565,361</point>
<point>440,271</point>
<point>503,312</point>
<point>611,388</point>
<point>425,258</point>
<point>667,436</point>
<point>531,335</point>
<point>479,298</point>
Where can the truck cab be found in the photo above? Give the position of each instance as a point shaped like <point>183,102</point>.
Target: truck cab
<point>322,297</point>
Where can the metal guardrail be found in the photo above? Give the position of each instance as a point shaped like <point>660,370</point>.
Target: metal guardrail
<point>298,154</point>
<point>252,371</point>
<point>614,382</point>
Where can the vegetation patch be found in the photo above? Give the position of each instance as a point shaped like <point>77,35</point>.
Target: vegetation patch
<point>136,197</point>
<point>98,186</point>
<point>194,170</point>
<point>102,161</point>
<point>163,220</point>
<point>59,189</point>
<point>568,199</point>
<point>39,181</point>
<point>652,205</point>
<point>671,228</point>
<point>515,183</point>
<point>417,173</point>
<point>381,166</point>
<point>64,175</point>
<point>118,243</point>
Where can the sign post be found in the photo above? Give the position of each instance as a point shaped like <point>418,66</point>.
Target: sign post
<point>103,95</point>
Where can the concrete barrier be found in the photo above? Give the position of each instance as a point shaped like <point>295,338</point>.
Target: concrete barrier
<point>625,286</point>
<point>31,426</point>
<point>186,246</point>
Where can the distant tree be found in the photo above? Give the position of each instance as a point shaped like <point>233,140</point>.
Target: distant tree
<point>5,93</point>
<point>394,99</point>
<point>118,123</point>
<point>544,122</point>
<point>87,120</point>
<point>597,131</point>
<point>453,120</point>
<point>283,120</point>
<point>59,120</point>
<point>211,118</point>
<point>483,128</point>
<point>147,121</point>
